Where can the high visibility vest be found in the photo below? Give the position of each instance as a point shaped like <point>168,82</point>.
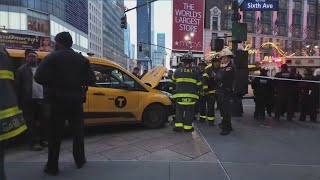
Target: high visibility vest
<point>11,119</point>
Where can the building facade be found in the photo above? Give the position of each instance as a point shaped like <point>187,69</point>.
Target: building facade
<point>95,27</point>
<point>46,18</point>
<point>145,30</point>
<point>160,53</point>
<point>127,41</point>
<point>113,36</point>
<point>293,28</point>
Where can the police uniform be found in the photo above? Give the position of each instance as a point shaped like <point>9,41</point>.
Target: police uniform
<point>226,78</point>
<point>187,82</point>
<point>284,93</point>
<point>11,119</point>
<point>210,87</point>
<point>203,98</point>
<point>262,93</point>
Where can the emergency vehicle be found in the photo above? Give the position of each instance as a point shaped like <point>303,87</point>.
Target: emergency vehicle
<point>118,96</point>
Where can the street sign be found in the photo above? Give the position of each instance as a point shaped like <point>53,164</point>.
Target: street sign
<point>259,5</point>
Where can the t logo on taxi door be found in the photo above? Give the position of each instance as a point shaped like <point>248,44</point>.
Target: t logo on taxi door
<point>120,102</point>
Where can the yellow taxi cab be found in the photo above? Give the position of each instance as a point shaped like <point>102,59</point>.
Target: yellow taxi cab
<point>118,96</point>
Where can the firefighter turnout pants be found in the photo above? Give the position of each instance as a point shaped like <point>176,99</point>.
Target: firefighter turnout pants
<point>184,116</point>
<point>212,99</point>
<point>203,107</point>
<point>226,111</point>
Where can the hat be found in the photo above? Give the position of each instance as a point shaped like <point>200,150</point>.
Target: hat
<point>64,38</point>
<point>202,63</point>
<point>284,66</point>
<point>28,51</point>
<point>226,52</point>
<point>187,58</point>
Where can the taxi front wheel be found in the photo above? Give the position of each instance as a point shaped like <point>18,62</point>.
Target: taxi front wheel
<point>154,116</point>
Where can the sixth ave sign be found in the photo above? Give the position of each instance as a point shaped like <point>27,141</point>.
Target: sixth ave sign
<point>259,5</point>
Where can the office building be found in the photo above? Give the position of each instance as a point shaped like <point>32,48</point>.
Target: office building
<point>95,27</point>
<point>160,54</point>
<point>113,34</point>
<point>127,41</point>
<point>292,28</point>
<point>46,18</point>
<point>145,30</point>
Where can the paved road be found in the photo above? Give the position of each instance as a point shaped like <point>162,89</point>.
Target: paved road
<point>276,150</point>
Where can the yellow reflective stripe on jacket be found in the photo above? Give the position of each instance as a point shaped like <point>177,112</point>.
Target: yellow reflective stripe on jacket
<point>190,80</point>
<point>212,92</point>
<point>204,117</point>
<point>9,112</point>
<point>187,127</point>
<point>13,133</point>
<point>205,75</point>
<point>210,118</point>
<point>170,88</point>
<point>185,95</point>
<point>178,124</point>
<point>199,83</point>
<point>186,103</point>
<point>205,87</point>
<point>5,74</point>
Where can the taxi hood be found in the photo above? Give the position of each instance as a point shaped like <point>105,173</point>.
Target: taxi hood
<point>154,76</point>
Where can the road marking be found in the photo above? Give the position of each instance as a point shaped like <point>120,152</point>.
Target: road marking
<point>219,162</point>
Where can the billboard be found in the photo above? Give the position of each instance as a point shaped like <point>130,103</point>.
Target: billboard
<point>188,17</point>
<point>23,42</point>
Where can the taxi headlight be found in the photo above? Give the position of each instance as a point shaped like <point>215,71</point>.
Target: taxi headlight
<point>168,94</point>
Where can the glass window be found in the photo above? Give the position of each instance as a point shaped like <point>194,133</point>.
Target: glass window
<point>215,23</point>
<point>4,19</point>
<point>283,4</point>
<point>23,22</point>
<point>110,77</point>
<point>31,4</point>
<point>250,27</point>
<point>297,19</point>
<point>282,16</point>
<point>282,30</point>
<point>14,20</point>
<point>266,16</point>
<point>311,20</point>
<point>312,8</point>
<point>297,6</point>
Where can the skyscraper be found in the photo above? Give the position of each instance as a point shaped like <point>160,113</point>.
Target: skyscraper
<point>127,41</point>
<point>160,53</point>
<point>145,16</point>
<point>113,36</point>
<point>95,28</point>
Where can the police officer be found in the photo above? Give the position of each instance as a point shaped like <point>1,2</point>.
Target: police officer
<point>284,93</point>
<point>66,74</point>
<point>308,100</point>
<point>187,81</point>
<point>11,119</point>
<point>262,93</point>
<point>226,76</point>
<point>210,87</point>
<point>202,103</point>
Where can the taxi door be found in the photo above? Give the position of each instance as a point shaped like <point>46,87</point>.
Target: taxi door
<point>114,98</point>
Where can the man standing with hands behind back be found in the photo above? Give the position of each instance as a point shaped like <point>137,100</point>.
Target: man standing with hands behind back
<point>65,74</point>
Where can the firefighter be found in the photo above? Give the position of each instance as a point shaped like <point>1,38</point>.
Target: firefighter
<point>308,100</point>
<point>210,87</point>
<point>187,80</point>
<point>284,93</point>
<point>262,93</point>
<point>226,76</point>
<point>11,119</point>
<point>172,91</point>
<point>202,105</point>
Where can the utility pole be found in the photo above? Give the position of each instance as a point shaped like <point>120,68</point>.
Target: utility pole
<point>235,18</point>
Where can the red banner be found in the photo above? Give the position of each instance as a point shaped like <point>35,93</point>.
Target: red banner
<point>188,17</point>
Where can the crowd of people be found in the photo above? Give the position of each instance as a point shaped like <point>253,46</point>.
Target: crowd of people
<point>288,92</point>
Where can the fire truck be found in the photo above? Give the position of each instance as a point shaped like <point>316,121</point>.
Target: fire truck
<point>300,62</point>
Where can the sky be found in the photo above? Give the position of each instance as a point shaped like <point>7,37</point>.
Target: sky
<point>162,22</point>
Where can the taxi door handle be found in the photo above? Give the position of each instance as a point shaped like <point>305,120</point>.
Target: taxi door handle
<point>99,94</point>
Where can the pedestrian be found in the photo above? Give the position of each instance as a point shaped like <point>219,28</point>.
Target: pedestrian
<point>211,86</point>
<point>187,80</point>
<point>262,93</point>
<point>11,119</point>
<point>202,103</point>
<point>226,76</point>
<point>317,90</point>
<point>66,75</point>
<point>308,96</point>
<point>136,72</point>
<point>297,76</point>
<point>31,101</point>
<point>284,89</point>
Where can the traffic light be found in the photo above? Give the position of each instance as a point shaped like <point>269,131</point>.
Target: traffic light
<point>239,31</point>
<point>217,44</point>
<point>124,22</point>
<point>140,47</point>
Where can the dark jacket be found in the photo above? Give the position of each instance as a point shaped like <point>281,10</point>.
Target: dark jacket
<point>262,86</point>
<point>285,87</point>
<point>226,76</point>
<point>210,85</point>
<point>23,84</point>
<point>187,82</point>
<point>65,73</point>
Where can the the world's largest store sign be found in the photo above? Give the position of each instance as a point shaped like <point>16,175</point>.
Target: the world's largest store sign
<point>188,16</point>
